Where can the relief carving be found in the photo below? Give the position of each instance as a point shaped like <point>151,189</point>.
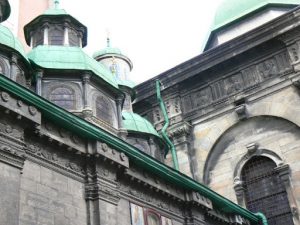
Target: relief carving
<point>233,84</point>
<point>54,158</point>
<point>202,97</point>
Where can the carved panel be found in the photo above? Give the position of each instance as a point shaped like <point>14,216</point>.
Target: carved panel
<point>232,84</point>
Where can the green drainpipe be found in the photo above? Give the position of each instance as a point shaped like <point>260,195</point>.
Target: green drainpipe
<point>262,217</point>
<point>163,130</point>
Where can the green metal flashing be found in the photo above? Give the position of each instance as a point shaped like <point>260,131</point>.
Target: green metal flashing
<point>71,58</point>
<point>88,130</point>
<point>8,39</point>
<point>136,123</point>
<point>127,83</point>
<point>164,129</point>
<point>262,217</point>
<point>232,10</point>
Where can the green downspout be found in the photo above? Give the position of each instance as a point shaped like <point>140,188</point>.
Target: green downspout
<point>262,217</point>
<point>163,130</point>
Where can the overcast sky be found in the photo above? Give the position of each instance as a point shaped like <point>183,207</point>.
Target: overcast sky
<point>155,34</point>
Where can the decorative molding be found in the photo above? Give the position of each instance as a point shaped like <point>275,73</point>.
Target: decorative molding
<point>105,151</point>
<point>12,156</point>
<point>9,103</point>
<point>66,163</point>
<point>181,129</point>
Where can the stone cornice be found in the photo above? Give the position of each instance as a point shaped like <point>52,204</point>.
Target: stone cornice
<point>209,59</point>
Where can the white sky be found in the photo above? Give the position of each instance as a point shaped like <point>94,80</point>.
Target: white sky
<point>155,34</point>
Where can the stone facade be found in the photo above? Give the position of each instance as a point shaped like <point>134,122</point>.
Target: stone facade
<point>233,103</point>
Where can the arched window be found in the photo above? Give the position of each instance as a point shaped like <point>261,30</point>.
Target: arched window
<point>264,191</point>
<point>152,218</point>
<point>104,110</point>
<point>63,97</point>
<point>56,37</point>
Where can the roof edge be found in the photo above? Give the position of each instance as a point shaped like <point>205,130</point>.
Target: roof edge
<point>86,129</point>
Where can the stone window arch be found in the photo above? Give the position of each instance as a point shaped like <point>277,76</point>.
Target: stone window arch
<point>104,110</point>
<point>262,183</point>
<point>152,218</point>
<point>64,97</point>
<point>264,192</point>
<point>56,36</point>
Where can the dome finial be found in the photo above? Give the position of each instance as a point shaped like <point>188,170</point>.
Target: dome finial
<point>56,4</point>
<point>107,38</point>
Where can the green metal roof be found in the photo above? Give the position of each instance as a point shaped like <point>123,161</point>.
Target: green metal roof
<point>232,10</point>
<point>127,83</point>
<point>72,58</point>
<point>6,11</point>
<point>136,123</point>
<point>8,39</point>
<point>107,50</point>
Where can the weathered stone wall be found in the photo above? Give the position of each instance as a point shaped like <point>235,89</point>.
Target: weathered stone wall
<point>9,194</point>
<point>48,197</point>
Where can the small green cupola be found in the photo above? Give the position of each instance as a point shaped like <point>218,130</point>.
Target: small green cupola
<point>4,10</point>
<point>235,17</point>
<point>55,27</point>
<point>113,59</point>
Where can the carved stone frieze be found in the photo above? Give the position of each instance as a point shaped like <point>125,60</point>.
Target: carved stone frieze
<point>200,200</point>
<point>105,151</point>
<point>62,136</point>
<point>9,103</point>
<point>181,129</point>
<point>13,156</point>
<point>240,81</point>
<point>56,158</point>
<point>151,197</point>
<point>154,183</point>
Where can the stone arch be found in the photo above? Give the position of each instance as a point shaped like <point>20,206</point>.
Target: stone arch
<point>219,136</point>
<point>268,136</point>
<point>283,104</point>
<point>254,151</point>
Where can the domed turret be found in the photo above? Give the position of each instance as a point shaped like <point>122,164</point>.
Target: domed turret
<point>118,63</point>
<point>55,27</point>
<point>234,17</point>
<point>139,131</point>
<point>67,76</point>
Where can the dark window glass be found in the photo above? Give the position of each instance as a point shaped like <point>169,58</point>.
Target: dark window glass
<point>104,110</point>
<point>63,97</point>
<point>38,39</point>
<point>73,38</point>
<point>56,37</point>
<point>264,192</point>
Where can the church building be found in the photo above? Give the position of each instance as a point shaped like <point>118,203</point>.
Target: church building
<point>212,141</point>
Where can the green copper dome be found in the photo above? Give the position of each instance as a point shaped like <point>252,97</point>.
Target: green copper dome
<point>8,39</point>
<point>136,123</point>
<point>107,51</point>
<point>232,10</point>
<point>69,58</point>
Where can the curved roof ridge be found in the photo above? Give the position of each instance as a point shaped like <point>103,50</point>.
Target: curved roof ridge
<point>67,57</point>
